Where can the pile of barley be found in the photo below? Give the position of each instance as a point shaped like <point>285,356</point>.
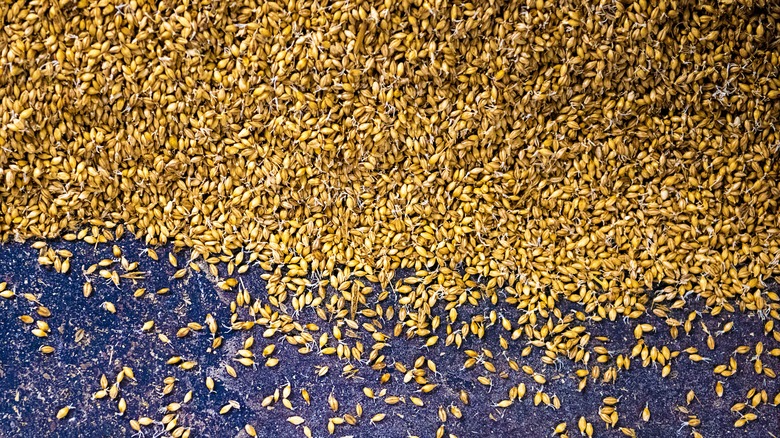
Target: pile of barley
<point>524,151</point>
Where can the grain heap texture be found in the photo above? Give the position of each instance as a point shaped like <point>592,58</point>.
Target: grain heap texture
<point>528,152</point>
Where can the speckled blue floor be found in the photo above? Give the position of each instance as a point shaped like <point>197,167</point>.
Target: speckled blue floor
<point>34,386</point>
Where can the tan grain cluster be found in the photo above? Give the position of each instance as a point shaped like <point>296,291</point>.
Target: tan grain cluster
<point>527,152</point>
